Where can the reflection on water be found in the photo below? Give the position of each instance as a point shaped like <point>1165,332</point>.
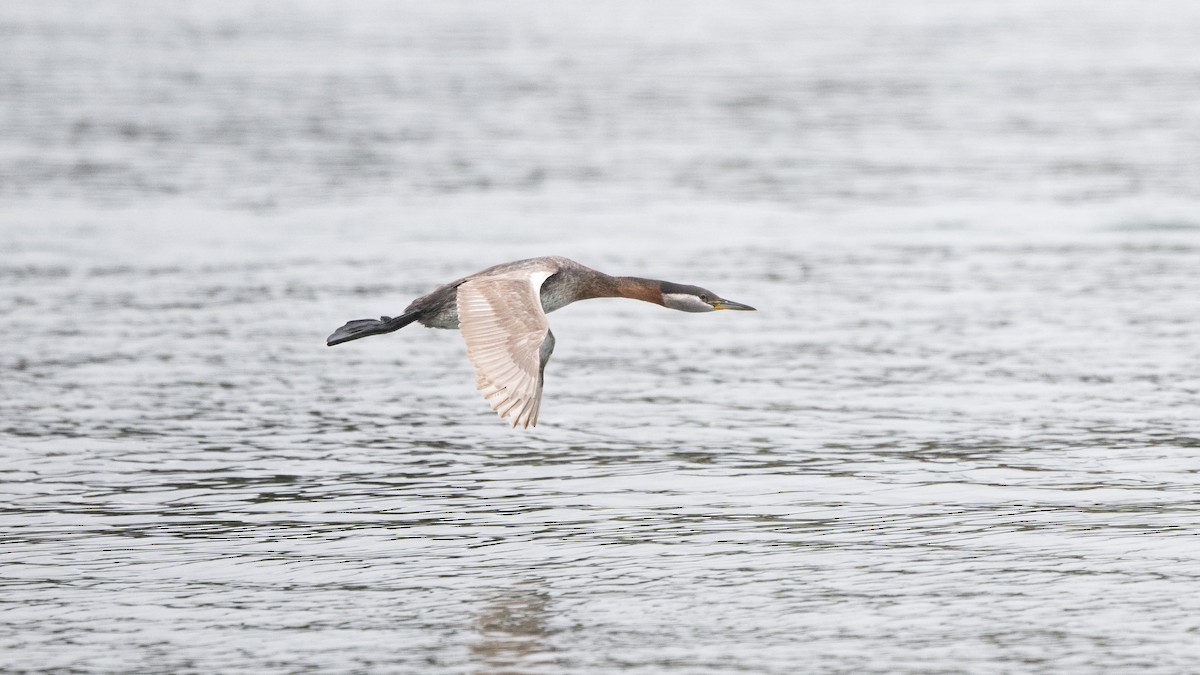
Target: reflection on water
<point>512,630</point>
<point>960,433</point>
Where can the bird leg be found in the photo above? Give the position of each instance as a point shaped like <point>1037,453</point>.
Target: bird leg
<point>361,328</point>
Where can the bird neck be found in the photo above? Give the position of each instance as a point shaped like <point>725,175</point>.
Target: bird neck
<point>648,290</point>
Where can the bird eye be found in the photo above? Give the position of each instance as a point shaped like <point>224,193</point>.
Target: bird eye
<point>703,297</point>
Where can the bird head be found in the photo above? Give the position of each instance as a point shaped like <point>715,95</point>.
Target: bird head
<point>695,299</point>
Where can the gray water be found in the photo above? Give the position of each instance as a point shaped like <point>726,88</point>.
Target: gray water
<point>960,435</point>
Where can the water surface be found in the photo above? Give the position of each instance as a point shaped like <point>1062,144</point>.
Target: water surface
<point>960,435</point>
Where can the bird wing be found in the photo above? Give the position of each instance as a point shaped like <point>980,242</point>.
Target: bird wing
<point>508,340</point>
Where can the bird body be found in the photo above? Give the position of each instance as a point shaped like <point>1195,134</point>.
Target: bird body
<point>501,312</point>
<point>560,281</point>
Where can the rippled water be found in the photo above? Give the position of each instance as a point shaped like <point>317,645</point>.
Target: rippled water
<point>960,435</point>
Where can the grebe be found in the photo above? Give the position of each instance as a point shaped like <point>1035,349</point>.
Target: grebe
<point>501,313</point>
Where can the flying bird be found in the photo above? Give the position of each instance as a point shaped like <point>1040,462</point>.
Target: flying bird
<point>501,313</point>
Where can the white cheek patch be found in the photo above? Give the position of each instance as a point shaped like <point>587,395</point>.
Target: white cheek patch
<point>686,303</point>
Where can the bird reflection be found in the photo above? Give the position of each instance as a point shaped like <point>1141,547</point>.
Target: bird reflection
<point>512,628</point>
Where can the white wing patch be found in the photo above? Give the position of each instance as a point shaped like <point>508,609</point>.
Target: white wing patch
<point>508,341</point>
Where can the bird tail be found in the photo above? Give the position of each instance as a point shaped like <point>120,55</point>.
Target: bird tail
<point>362,328</point>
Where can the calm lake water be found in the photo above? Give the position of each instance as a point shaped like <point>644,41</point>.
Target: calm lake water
<point>959,435</point>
